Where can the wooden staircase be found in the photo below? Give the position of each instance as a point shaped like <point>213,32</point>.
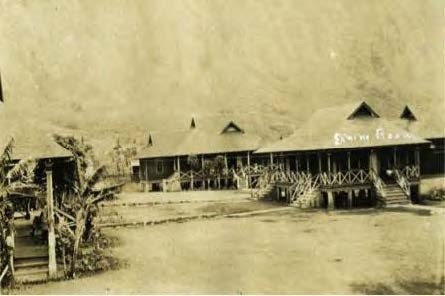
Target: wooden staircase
<point>30,255</point>
<point>306,193</point>
<point>263,192</point>
<point>394,195</point>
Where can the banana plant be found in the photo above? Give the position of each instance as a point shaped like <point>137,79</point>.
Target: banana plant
<point>81,205</point>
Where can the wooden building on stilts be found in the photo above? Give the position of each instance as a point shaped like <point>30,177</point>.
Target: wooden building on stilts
<point>344,156</point>
<point>348,156</point>
<point>207,155</point>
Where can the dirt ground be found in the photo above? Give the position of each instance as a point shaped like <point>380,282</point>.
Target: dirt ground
<point>362,251</point>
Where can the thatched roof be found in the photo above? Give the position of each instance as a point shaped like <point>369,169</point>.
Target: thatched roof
<point>429,120</point>
<point>203,139</point>
<point>31,140</point>
<point>349,126</point>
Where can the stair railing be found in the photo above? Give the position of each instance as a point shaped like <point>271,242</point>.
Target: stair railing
<point>305,186</point>
<point>378,183</point>
<point>403,183</point>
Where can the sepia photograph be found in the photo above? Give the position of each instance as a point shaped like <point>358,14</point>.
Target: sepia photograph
<point>222,147</point>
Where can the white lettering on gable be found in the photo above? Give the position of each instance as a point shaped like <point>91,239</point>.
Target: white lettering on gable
<point>380,135</point>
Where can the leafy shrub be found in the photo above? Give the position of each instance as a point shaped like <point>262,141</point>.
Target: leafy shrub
<point>436,194</point>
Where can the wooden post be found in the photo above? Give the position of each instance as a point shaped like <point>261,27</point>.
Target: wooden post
<point>395,157</point>
<point>307,163</point>
<point>334,164</point>
<point>52,264</point>
<point>296,163</point>
<point>417,157</point>
<point>271,159</point>
<point>248,159</point>
<point>349,160</point>
<point>191,180</point>
<point>319,162</point>
<point>287,164</point>
<point>330,200</point>
<point>249,179</point>
<point>329,163</point>
<point>140,170</point>
<point>350,199</point>
<point>164,185</point>
<point>179,164</point>
<point>373,161</point>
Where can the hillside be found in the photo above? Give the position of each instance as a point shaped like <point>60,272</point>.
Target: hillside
<point>108,67</point>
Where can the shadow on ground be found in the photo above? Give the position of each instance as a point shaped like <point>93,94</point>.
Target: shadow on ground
<point>401,287</point>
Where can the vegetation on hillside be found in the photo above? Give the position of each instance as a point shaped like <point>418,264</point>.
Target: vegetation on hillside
<point>139,63</point>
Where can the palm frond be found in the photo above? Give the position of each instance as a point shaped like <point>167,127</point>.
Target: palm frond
<point>5,159</point>
<point>23,171</point>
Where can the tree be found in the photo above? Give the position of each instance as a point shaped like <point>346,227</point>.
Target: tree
<point>81,206</point>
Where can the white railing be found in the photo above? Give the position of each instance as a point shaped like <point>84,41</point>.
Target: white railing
<point>411,172</point>
<point>402,182</point>
<point>304,187</point>
<point>378,183</point>
<point>350,177</point>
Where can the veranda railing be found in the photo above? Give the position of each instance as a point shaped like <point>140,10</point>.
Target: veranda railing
<point>411,172</point>
<point>349,177</point>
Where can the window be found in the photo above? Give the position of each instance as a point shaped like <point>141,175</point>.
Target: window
<point>407,114</point>
<point>364,110</point>
<point>232,128</point>
<point>159,167</point>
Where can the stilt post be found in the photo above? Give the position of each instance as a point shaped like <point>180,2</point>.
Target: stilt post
<point>249,180</point>
<point>191,180</point>
<point>350,199</point>
<point>330,200</point>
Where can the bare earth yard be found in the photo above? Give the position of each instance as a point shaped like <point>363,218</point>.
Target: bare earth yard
<point>362,251</point>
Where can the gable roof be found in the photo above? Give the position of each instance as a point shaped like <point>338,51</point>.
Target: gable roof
<point>200,140</point>
<point>331,128</point>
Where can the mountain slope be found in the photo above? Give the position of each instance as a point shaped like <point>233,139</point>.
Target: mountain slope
<point>109,67</point>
